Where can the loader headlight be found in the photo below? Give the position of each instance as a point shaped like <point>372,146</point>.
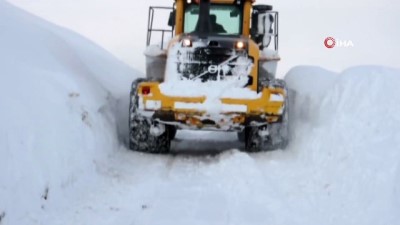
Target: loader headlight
<point>240,45</point>
<point>187,43</point>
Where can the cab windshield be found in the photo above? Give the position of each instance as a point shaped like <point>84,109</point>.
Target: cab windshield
<point>224,19</point>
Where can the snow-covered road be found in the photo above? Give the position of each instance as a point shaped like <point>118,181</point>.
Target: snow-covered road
<point>191,186</point>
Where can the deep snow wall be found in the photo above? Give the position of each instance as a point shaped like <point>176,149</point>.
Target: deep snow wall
<point>58,93</point>
<point>346,132</point>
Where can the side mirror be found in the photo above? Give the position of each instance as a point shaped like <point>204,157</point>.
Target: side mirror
<point>262,21</point>
<point>258,10</point>
<point>171,20</point>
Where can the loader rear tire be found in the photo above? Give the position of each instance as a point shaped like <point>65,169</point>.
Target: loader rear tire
<point>140,138</point>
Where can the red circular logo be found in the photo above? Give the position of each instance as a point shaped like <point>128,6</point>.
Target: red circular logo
<point>329,42</point>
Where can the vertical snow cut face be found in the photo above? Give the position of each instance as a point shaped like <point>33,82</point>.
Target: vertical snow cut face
<point>196,67</point>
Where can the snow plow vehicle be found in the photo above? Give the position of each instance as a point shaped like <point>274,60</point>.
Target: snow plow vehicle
<point>217,72</point>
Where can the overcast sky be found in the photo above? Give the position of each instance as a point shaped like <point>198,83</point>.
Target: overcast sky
<point>372,26</point>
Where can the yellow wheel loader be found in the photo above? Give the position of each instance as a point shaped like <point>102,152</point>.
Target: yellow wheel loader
<point>216,72</point>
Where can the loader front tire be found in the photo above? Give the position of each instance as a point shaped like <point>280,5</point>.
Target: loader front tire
<point>140,138</point>
<point>278,137</point>
<point>253,141</point>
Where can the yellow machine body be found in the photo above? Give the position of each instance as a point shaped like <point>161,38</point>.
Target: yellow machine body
<point>262,110</point>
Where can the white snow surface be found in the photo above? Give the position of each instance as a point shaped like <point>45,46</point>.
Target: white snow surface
<point>221,108</point>
<point>62,160</point>
<point>58,92</point>
<point>210,89</point>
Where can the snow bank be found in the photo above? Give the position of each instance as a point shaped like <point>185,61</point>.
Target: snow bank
<point>342,166</point>
<point>57,97</point>
<point>346,145</point>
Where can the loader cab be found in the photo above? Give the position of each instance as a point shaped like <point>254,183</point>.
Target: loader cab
<point>215,33</point>
<point>233,17</point>
<point>236,17</point>
<point>216,19</point>
<point>210,17</point>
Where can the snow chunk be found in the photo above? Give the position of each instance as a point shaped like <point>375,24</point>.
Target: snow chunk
<point>270,54</point>
<point>154,51</point>
<point>211,107</point>
<point>276,98</point>
<point>153,105</point>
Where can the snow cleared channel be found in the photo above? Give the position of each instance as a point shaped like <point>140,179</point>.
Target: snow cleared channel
<point>63,159</point>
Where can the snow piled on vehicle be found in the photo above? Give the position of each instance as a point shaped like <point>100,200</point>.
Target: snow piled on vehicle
<point>209,89</point>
